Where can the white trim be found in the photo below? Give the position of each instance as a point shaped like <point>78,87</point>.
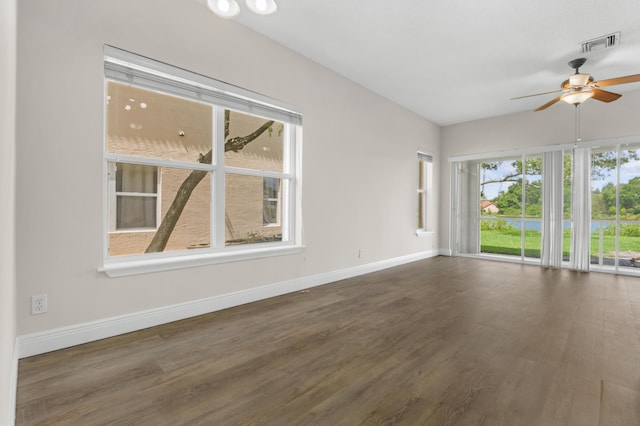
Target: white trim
<point>502,258</point>
<point>423,233</point>
<point>13,391</point>
<point>116,267</point>
<point>546,148</point>
<point>59,338</point>
<point>613,270</point>
<point>158,162</point>
<point>257,173</point>
<point>445,252</point>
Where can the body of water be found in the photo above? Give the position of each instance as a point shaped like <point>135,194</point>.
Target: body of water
<point>536,224</point>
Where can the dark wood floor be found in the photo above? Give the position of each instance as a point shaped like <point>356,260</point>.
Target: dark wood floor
<point>441,341</point>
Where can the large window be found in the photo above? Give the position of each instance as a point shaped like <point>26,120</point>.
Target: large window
<point>194,168</point>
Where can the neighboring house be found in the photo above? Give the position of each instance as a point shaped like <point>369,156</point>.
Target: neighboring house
<point>488,207</point>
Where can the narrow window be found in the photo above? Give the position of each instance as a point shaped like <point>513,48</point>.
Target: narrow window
<point>425,185</point>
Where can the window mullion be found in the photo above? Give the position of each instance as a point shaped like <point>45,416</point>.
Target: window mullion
<point>111,183</point>
<point>218,184</point>
<point>617,242</point>
<point>158,162</point>
<point>258,173</point>
<point>523,201</point>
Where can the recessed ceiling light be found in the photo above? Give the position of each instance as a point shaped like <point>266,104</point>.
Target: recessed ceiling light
<point>224,8</point>
<point>262,7</point>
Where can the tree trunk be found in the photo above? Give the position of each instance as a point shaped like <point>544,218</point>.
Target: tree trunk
<point>168,224</point>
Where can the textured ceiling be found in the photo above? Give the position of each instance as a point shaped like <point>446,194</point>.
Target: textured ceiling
<point>453,61</point>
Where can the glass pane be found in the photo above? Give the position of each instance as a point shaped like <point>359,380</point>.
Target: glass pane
<point>254,143</point>
<point>420,210</point>
<point>629,232</point>
<point>500,236</point>
<point>501,207</point>
<point>532,238</point>
<point>270,195</point>
<point>270,212</point>
<point>421,171</point>
<point>136,178</point>
<point>151,124</point>
<point>566,214</point>
<point>192,228</point>
<point>244,212</point>
<point>603,206</point>
<point>135,212</point>
<point>533,207</point>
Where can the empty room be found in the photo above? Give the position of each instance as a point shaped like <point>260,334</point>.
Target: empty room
<point>294,212</point>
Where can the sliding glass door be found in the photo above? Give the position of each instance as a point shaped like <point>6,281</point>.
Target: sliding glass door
<point>510,208</point>
<point>578,208</point>
<point>615,213</point>
<point>500,207</point>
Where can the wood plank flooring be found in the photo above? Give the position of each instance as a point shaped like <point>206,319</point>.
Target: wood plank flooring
<point>446,340</point>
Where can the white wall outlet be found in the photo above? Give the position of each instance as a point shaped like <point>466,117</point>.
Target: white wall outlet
<point>360,254</point>
<point>38,304</point>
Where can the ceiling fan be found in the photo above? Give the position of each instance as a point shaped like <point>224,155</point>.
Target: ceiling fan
<point>580,87</point>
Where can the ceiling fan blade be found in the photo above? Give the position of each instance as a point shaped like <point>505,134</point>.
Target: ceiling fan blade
<point>538,94</point>
<point>604,96</point>
<point>548,104</point>
<point>618,80</point>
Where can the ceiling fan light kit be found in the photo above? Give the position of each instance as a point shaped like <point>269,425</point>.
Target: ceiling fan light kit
<point>228,9</point>
<point>577,97</point>
<point>579,87</point>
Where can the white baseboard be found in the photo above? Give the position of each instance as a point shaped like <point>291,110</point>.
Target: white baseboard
<point>445,252</point>
<point>64,337</point>
<point>14,387</point>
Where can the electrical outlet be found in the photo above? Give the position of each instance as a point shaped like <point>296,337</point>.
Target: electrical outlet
<point>38,304</point>
<point>360,254</point>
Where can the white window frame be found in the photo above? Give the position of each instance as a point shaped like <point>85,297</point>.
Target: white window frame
<point>128,68</point>
<point>425,180</point>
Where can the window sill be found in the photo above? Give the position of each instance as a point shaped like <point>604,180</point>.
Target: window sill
<point>125,266</point>
<point>421,233</point>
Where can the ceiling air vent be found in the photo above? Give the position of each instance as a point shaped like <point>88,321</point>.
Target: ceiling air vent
<point>606,41</point>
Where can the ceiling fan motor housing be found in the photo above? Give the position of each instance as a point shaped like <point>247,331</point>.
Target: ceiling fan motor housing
<point>577,63</point>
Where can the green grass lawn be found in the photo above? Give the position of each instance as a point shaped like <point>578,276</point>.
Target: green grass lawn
<point>509,242</point>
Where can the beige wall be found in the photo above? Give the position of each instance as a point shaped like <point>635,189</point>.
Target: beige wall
<point>7,211</point>
<point>553,126</point>
<point>359,157</point>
